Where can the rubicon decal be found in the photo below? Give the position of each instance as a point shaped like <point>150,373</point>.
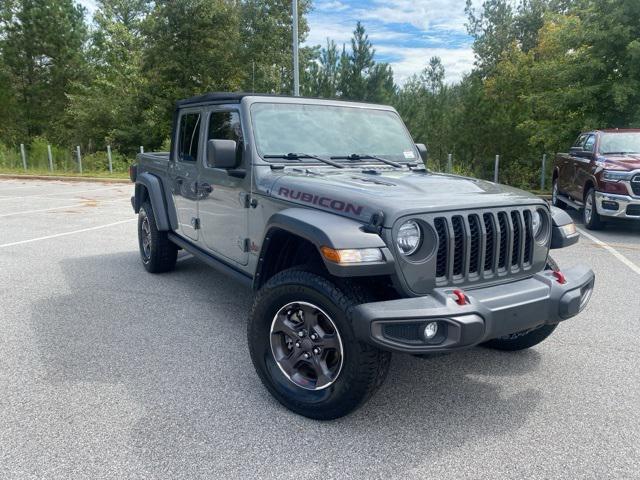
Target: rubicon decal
<point>321,201</point>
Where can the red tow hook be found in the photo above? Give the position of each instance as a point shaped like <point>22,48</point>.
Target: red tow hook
<point>461,298</point>
<point>560,278</point>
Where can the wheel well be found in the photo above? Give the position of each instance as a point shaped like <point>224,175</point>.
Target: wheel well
<point>141,195</point>
<point>587,186</point>
<point>283,250</point>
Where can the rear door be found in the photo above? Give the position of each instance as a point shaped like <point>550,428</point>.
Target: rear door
<point>568,171</point>
<point>183,171</point>
<point>583,163</point>
<point>223,203</point>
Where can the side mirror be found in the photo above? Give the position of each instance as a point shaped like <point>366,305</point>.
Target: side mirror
<point>221,153</point>
<point>424,153</point>
<point>576,150</point>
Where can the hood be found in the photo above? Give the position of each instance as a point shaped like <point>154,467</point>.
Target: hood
<point>360,192</point>
<point>626,162</point>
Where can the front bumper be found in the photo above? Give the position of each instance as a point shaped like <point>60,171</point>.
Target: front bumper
<point>618,206</point>
<point>490,312</point>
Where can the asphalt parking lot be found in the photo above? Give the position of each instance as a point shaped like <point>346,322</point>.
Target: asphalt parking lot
<point>109,372</point>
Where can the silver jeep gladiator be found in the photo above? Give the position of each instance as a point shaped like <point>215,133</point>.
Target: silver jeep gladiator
<point>353,247</point>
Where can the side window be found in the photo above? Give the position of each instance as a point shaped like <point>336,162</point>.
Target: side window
<point>590,143</point>
<point>189,137</point>
<point>580,141</point>
<point>227,126</point>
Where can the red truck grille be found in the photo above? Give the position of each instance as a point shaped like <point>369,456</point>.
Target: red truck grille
<point>474,246</point>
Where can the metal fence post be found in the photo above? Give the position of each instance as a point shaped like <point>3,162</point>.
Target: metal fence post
<point>23,154</point>
<point>449,163</point>
<point>79,159</point>
<point>544,171</point>
<point>50,157</point>
<point>496,168</point>
<point>141,149</point>
<point>109,158</point>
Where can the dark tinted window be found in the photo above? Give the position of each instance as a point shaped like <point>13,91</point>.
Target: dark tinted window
<point>226,126</point>
<point>189,137</point>
<point>590,143</point>
<point>580,141</point>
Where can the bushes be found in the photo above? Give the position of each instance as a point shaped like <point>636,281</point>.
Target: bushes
<point>64,159</point>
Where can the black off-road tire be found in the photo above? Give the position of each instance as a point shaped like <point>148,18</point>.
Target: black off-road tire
<point>161,253</point>
<point>526,338</point>
<point>364,367</point>
<point>592,221</point>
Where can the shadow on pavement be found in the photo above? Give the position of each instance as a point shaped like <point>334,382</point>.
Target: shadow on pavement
<point>177,344</point>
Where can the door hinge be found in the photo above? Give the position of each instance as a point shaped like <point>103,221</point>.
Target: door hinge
<point>249,201</point>
<point>195,223</point>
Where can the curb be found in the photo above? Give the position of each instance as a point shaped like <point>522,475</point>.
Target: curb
<point>63,178</point>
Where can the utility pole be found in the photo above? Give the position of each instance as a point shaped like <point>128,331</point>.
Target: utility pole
<point>296,67</point>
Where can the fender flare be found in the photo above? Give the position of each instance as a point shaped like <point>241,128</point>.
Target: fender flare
<point>156,196</point>
<point>330,230</point>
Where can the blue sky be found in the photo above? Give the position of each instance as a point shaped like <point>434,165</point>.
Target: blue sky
<point>405,33</point>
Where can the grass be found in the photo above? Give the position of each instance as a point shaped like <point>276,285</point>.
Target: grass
<point>46,172</point>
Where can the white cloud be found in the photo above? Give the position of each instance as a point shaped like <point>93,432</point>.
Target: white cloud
<point>456,61</point>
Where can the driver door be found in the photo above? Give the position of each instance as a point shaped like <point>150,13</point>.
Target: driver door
<point>223,205</point>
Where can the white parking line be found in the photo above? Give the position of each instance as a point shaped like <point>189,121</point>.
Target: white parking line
<point>84,204</point>
<point>73,232</point>
<point>612,251</point>
<point>11,197</point>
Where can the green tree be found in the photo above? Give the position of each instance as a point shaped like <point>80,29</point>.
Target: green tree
<point>41,44</point>
<point>110,108</point>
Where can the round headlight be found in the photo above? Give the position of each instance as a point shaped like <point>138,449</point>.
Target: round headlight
<point>536,222</point>
<point>409,237</point>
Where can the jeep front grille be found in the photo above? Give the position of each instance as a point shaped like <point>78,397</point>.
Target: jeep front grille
<point>473,246</point>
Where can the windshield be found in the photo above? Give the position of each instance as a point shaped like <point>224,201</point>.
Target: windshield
<point>329,131</point>
<point>620,142</point>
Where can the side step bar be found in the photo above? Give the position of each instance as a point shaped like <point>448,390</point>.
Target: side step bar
<point>570,202</point>
<point>211,260</point>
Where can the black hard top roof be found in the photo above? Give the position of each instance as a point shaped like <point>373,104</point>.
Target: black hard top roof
<point>225,97</point>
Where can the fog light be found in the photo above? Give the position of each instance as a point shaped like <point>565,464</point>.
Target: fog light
<point>430,330</point>
<point>610,205</point>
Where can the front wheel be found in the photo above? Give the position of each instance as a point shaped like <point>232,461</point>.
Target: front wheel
<point>304,350</point>
<point>590,214</point>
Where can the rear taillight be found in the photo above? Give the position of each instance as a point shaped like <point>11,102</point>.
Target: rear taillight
<point>133,172</point>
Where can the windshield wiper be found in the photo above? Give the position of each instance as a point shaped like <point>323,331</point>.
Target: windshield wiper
<point>618,153</point>
<point>299,156</point>
<point>355,157</point>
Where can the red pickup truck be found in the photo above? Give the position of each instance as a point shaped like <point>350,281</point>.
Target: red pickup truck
<point>600,176</point>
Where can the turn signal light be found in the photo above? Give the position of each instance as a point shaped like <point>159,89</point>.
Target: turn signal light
<point>352,255</point>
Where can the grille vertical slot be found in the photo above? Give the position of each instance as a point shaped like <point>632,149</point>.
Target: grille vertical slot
<point>443,242</point>
<point>458,249</point>
<point>490,228</point>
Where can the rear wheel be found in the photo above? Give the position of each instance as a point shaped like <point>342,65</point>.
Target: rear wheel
<point>525,338</point>
<point>555,195</point>
<point>304,349</point>
<point>590,214</point>
<point>157,252</point>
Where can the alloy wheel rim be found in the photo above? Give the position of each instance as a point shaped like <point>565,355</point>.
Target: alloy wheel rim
<point>306,345</point>
<point>146,238</point>
<point>588,209</point>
